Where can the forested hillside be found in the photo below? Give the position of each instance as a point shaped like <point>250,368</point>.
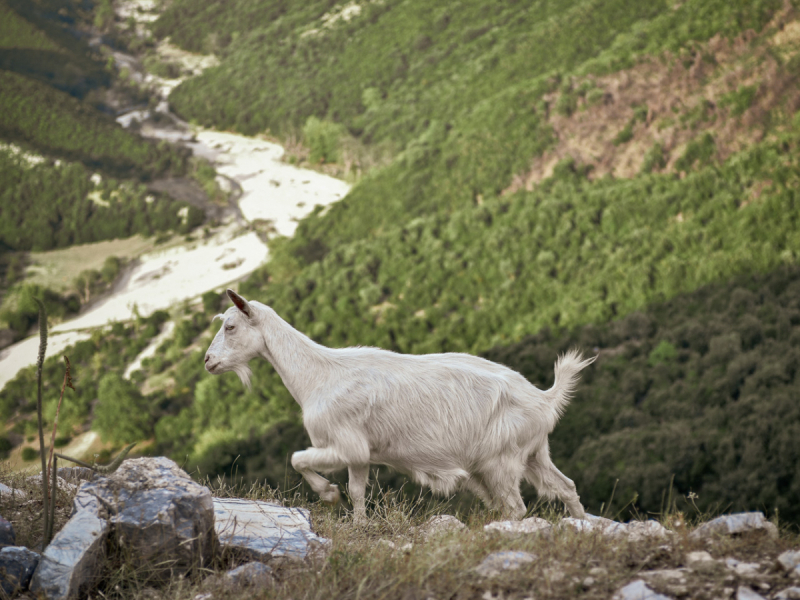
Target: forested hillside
<point>619,176</point>
<point>69,173</point>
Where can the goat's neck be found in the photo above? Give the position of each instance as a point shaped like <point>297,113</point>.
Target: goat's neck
<point>299,361</point>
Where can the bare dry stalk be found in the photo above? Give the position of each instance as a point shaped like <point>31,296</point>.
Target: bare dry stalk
<point>39,363</point>
<point>67,384</point>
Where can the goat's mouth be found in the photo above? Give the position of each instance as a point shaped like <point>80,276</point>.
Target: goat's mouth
<point>212,368</point>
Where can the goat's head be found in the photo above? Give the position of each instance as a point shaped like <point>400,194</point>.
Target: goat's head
<point>238,340</point>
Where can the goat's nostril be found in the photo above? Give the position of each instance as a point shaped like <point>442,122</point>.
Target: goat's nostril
<point>207,357</point>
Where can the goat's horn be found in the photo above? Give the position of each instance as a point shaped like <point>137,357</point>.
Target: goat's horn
<point>240,302</point>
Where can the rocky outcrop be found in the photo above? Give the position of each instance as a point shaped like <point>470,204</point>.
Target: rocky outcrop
<point>264,531</point>
<point>157,514</point>
<point>736,524</point>
<point>17,565</point>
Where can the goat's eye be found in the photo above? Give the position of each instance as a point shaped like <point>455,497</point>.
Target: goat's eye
<point>228,327</point>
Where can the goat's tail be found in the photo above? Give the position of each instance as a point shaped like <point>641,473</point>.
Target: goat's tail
<point>568,366</point>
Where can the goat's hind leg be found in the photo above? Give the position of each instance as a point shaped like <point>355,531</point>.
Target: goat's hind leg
<point>308,462</point>
<point>357,487</point>
<point>552,483</point>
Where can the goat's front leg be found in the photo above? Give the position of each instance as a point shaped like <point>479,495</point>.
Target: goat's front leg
<point>307,462</point>
<point>357,487</point>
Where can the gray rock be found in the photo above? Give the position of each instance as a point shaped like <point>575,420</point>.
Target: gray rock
<point>250,574</point>
<point>745,593</point>
<point>739,523</point>
<point>439,524</point>
<point>9,491</point>
<point>638,590</point>
<point>523,527</point>
<point>595,524</point>
<point>62,484</point>
<point>790,593</point>
<point>69,562</point>
<point>264,531</point>
<point>665,575</point>
<point>497,562</point>
<point>75,474</point>
<point>17,565</point>
<point>790,561</point>
<point>642,530</point>
<point>156,512</point>
<point>7,536</point>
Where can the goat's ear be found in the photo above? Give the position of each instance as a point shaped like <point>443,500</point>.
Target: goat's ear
<point>240,303</point>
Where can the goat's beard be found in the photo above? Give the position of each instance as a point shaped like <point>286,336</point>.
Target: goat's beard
<point>244,373</point>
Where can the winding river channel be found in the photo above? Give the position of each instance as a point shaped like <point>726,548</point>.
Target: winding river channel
<point>268,190</point>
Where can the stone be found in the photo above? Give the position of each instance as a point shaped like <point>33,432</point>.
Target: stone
<point>9,491</point>
<point>60,481</point>
<point>264,531</point>
<point>7,536</point>
<point>745,593</point>
<point>638,590</point>
<point>702,562</point>
<point>497,562</point>
<point>69,562</point>
<point>588,582</point>
<point>594,524</point>
<point>250,574</point>
<point>736,524</point>
<point>439,524</point>
<point>157,514</point>
<point>790,593</point>
<point>598,571</point>
<point>642,530</point>
<point>17,565</point>
<point>524,527</point>
<point>75,474</point>
<point>743,569</point>
<point>665,576</point>
<point>790,561</point>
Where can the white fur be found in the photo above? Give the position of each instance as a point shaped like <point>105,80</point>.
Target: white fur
<point>449,420</point>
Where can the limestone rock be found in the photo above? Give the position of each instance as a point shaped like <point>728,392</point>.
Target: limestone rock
<point>497,562</point>
<point>5,490</point>
<point>62,484</point>
<point>75,474</point>
<point>68,563</point>
<point>524,527</point>
<point>790,561</point>
<point>739,523</point>
<point>790,593</point>
<point>156,512</point>
<point>17,565</point>
<point>745,593</point>
<point>640,530</point>
<point>439,524</point>
<point>264,531</point>
<point>595,524</point>
<point>638,590</point>
<point>7,537</point>
<point>250,574</point>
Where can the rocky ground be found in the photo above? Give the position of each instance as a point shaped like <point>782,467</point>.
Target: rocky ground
<point>150,531</point>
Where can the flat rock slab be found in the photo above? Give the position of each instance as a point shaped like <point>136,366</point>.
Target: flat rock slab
<point>524,527</point>
<point>264,531</point>
<point>9,491</point>
<point>736,524</point>
<point>497,562</point>
<point>638,590</point>
<point>17,565</point>
<point>69,562</point>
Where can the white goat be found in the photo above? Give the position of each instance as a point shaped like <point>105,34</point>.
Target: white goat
<point>448,420</point>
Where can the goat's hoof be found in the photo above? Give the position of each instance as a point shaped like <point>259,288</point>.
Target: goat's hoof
<point>331,495</point>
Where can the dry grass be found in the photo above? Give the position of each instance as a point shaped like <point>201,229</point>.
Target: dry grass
<point>362,565</point>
